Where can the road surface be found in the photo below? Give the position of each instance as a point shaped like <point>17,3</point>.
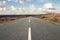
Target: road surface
<point>40,30</point>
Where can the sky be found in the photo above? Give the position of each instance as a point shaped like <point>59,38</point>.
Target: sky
<point>18,7</point>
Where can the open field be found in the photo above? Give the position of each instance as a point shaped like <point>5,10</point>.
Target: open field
<point>55,17</point>
<point>8,18</point>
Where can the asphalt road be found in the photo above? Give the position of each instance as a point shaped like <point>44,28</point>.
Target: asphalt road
<point>40,30</point>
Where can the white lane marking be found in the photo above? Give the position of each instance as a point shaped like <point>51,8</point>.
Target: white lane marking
<point>29,33</point>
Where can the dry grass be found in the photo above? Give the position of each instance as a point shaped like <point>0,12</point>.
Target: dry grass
<point>55,17</point>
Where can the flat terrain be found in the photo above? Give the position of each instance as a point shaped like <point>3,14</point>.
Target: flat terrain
<point>54,17</point>
<point>40,30</point>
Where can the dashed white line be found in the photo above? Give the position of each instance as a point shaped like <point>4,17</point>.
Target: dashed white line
<point>29,30</point>
<point>29,33</point>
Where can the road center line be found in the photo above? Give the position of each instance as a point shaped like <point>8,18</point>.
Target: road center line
<point>29,33</point>
<point>29,30</point>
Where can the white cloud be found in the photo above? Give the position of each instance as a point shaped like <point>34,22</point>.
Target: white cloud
<point>2,6</point>
<point>22,1</point>
<point>13,0</point>
<point>4,9</point>
<point>2,3</point>
<point>35,10</point>
<point>12,8</point>
<point>42,0</point>
<point>40,9</point>
<point>1,9</point>
<point>48,5</point>
<point>32,8</point>
<point>21,9</point>
<point>29,10</point>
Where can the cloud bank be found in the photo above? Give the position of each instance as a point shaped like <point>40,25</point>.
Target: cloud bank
<point>31,9</point>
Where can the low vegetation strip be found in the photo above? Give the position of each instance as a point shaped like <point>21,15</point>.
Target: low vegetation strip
<point>55,17</point>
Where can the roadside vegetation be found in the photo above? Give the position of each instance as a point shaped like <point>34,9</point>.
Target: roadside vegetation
<point>55,17</point>
<point>8,18</point>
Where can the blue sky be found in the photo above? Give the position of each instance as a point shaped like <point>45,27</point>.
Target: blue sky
<point>23,4</point>
<point>35,2</point>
